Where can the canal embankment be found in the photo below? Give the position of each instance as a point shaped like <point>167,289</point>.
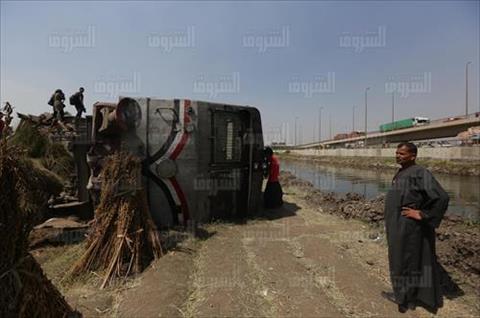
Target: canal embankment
<point>464,161</point>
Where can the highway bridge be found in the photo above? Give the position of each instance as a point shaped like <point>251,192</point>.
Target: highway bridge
<point>441,128</point>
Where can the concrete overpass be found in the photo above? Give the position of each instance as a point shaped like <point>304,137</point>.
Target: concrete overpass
<point>442,128</point>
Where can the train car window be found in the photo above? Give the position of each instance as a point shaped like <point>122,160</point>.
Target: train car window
<point>229,145</point>
<point>227,141</point>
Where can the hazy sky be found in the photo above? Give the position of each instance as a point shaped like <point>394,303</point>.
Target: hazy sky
<point>285,58</point>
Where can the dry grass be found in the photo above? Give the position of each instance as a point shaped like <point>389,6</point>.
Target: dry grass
<point>36,144</point>
<point>125,239</point>
<point>26,291</point>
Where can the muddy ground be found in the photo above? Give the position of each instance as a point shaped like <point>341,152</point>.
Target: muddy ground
<point>455,167</point>
<point>458,241</point>
<point>299,260</point>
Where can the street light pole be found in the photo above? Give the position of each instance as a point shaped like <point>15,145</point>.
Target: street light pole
<point>466,88</point>
<point>393,107</point>
<point>295,134</point>
<point>353,118</point>
<point>320,124</point>
<point>365,142</point>
<point>330,126</point>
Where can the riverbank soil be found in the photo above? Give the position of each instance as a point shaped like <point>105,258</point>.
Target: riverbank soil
<point>458,240</point>
<point>298,260</point>
<point>454,167</point>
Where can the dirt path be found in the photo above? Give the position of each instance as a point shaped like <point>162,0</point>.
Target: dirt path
<point>296,261</point>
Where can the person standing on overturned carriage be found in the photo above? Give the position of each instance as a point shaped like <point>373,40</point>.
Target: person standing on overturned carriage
<point>414,207</point>
<point>56,101</point>
<point>77,101</point>
<point>273,191</point>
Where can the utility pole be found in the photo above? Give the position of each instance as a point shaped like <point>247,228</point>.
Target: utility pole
<point>365,142</point>
<point>353,118</point>
<point>330,126</point>
<point>287,133</point>
<point>466,89</point>
<point>295,133</point>
<point>393,107</point>
<point>320,124</point>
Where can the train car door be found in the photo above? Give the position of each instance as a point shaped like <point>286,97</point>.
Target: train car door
<point>229,165</point>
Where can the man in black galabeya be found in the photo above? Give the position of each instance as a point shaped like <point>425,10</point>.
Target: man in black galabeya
<point>414,207</point>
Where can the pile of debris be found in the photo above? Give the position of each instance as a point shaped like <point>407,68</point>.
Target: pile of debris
<point>58,231</point>
<point>124,239</point>
<point>47,122</point>
<point>33,192</point>
<point>459,247</point>
<point>290,180</point>
<point>350,206</point>
<point>355,206</point>
<point>41,142</point>
<point>51,156</point>
<point>26,291</point>
<point>470,136</point>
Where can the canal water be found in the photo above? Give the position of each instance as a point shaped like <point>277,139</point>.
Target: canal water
<point>464,191</point>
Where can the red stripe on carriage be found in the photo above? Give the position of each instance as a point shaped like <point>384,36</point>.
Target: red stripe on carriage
<point>178,149</point>
<point>184,139</point>
<point>183,200</point>
<point>179,146</point>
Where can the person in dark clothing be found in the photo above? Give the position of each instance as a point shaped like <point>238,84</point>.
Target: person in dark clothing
<point>56,101</point>
<point>2,125</point>
<point>8,110</point>
<point>77,101</point>
<point>273,191</point>
<point>414,207</point>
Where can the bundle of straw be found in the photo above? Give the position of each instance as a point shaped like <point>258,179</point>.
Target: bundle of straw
<point>25,290</point>
<point>125,239</point>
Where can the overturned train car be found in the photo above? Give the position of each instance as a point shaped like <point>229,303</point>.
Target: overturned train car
<point>202,160</point>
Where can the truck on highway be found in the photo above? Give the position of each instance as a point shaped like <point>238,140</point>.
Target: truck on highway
<point>404,123</point>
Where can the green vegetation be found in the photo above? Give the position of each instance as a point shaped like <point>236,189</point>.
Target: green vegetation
<point>52,156</point>
<point>58,160</point>
<point>457,167</point>
<point>28,137</point>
